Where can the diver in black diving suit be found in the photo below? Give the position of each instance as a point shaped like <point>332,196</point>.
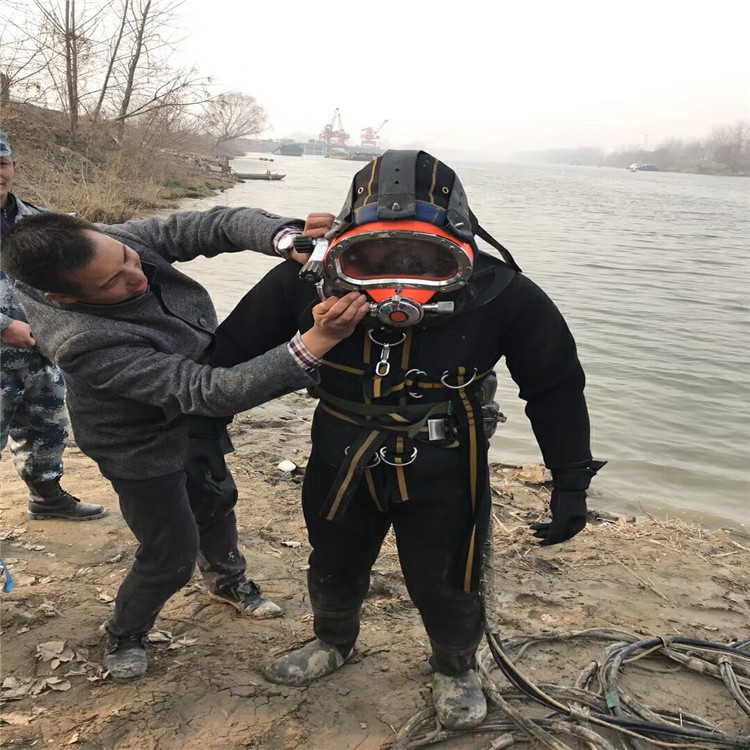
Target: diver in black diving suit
<point>401,432</point>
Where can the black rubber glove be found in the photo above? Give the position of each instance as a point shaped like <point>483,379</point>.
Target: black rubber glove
<point>568,517</point>
<point>568,503</point>
<point>204,458</point>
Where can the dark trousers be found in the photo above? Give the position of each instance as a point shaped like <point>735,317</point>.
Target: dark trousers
<point>176,521</point>
<point>432,529</point>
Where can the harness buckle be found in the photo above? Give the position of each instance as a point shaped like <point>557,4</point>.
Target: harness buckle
<point>383,367</point>
<point>436,429</point>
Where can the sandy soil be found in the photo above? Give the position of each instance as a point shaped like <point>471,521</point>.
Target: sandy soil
<point>204,687</point>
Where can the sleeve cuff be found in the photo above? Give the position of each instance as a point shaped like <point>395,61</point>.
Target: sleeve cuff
<point>303,356</point>
<point>284,232</point>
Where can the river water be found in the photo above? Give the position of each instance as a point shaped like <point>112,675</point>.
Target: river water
<point>651,272</point>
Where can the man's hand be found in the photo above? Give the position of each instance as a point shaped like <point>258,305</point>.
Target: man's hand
<point>335,319</point>
<point>18,333</point>
<point>316,225</point>
<point>568,517</point>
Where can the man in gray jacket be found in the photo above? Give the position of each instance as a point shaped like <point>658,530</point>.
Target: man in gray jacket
<point>33,417</point>
<point>132,335</point>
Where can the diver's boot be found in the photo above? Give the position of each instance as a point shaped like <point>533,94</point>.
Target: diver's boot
<point>50,501</point>
<point>125,656</point>
<point>316,659</point>
<point>246,597</point>
<point>459,701</point>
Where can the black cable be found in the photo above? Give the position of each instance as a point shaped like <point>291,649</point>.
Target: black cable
<point>647,729</point>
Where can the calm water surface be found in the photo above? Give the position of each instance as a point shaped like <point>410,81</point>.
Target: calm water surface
<point>651,272</point>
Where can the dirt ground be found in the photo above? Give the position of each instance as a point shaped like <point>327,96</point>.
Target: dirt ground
<point>204,687</point>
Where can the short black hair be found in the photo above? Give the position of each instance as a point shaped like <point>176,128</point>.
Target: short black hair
<point>42,249</point>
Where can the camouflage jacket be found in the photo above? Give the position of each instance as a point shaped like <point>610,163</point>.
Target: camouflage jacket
<point>11,309</point>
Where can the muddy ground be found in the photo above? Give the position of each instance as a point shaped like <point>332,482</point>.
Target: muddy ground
<point>204,687</point>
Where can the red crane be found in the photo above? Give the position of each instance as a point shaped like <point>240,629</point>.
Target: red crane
<point>334,132</point>
<point>369,135</point>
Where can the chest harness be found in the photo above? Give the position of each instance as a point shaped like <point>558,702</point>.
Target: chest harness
<point>452,410</point>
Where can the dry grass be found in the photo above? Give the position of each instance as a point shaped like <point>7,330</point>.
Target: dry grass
<point>95,177</point>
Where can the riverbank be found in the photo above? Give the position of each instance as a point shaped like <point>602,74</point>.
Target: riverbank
<point>99,178</point>
<point>204,688</point>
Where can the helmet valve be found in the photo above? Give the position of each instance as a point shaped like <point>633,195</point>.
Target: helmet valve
<point>312,271</point>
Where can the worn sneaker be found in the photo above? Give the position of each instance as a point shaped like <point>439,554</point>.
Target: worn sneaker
<point>247,598</point>
<point>50,501</point>
<point>125,656</point>
<point>459,701</point>
<point>316,659</point>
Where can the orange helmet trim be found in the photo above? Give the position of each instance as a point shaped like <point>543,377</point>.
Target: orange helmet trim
<point>422,227</point>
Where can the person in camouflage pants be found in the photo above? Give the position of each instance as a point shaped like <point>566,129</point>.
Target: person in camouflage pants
<point>33,417</point>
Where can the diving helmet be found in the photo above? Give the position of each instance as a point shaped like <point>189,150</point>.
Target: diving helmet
<point>404,237</point>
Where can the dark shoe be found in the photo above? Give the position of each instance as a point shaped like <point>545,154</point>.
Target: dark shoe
<point>316,659</point>
<point>459,701</point>
<point>125,656</point>
<point>246,598</point>
<point>49,501</point>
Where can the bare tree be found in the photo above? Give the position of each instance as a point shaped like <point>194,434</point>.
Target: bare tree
<point>66,34</point>
<point>113,56</point>
<point>234,115</point>
<point>149,82</point>
<point>25,59</point>
<point>141,19</point>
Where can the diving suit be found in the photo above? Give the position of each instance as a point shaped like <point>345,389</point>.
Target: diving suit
<point>401,433</point>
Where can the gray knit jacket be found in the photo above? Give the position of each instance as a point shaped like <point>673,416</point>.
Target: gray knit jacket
<point>134,369</point>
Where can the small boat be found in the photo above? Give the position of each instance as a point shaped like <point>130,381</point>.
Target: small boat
<point>269,175</point>
<point>639,167</point>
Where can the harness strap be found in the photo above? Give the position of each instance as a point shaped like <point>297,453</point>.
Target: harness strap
<point>490,240</point>
<point>408,419</point>
<point>377,489</point>
<point>397,478</point>
<point>360,453</point>
<point>468,410</point>
<point>402,423</point>
<point>344,368</point>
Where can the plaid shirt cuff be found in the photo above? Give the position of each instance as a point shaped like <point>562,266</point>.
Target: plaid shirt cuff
<point>303,356</point>
<point>283,232</point>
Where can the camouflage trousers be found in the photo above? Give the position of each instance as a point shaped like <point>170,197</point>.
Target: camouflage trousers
<point>33,418</point>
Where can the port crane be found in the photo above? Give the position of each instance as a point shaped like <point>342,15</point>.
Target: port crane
<point>369,135</point>
<point>334,132</point>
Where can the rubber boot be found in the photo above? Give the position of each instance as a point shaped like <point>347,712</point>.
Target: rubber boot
<point>459,701</point>
<point>311,662</point>
<point>125,656</point>
<point>50,501</point>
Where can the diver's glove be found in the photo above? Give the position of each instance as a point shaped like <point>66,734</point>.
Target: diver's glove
<point>208,442</point>
<point>568,503</point>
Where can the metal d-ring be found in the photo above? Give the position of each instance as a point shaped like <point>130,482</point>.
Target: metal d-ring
<point>382,368</point>
<point>386,343</point>
<point>457,387</point>
<point>418,372</point>
<point>369,466</point>
<point>411,460</point>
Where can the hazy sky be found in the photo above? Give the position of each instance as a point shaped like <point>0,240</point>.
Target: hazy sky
<point>483,76</point>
